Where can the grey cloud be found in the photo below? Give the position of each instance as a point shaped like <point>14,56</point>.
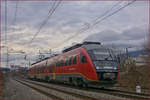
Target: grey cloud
<point>135,33</point>
<point>107,35</point>
<point>69,18</point>
<point>122,39</point>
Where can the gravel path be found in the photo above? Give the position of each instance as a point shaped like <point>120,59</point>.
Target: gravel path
<point>16,91</point>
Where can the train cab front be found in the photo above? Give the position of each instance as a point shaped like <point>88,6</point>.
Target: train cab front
<point>105,65</point>
<point>107,71</point>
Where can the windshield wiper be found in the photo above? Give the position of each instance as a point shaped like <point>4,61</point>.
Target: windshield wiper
<point>108,57</point>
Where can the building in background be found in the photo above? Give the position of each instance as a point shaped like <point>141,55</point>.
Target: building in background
<point>141,60</point>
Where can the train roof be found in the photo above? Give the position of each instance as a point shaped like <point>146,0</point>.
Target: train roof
<point>84,44</point>
<point>45,59</point>
<point>87,45</point>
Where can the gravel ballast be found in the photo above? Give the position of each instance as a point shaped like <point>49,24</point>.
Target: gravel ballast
<point>16,91</point>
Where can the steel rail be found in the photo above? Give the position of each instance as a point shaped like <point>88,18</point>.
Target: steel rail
<point>119,93</point>
<point>40,91</point>
<point>62,91</point>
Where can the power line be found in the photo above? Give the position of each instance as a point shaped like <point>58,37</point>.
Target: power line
<point>15,14</point>
<point>105,13</point>
<point>51,11</point>
<point>114,12</point>
<point>89,25</point>
<point>97,22</point>
<point>108,11</point>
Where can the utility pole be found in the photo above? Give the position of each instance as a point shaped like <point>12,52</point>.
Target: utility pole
<point>13,52</point>
<point>43,54</point>
<point>50,52</point>
<point>7,58</point>
<point>127,54</point>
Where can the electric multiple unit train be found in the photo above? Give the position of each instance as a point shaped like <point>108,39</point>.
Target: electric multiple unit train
<point>81,64</point>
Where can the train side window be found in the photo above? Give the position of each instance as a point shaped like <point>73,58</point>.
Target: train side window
<point>75,60</point>
<point>35,70</point>
<point>66,61</point>
<point>83,58</point>
<point>48,63</point>
<point>62,62</point>
<point>70,60</point>
<point>57,63</point>
<point>40,69</point>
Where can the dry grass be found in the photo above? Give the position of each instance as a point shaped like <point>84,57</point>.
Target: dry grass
<point>1,83</point>
<point>135,76</point>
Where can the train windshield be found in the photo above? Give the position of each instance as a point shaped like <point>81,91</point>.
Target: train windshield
<point>98,54</point>
<point>102,59</point>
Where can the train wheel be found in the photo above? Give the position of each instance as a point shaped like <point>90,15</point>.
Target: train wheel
<point>75,82</point>
<point>80,83</point>
<point>35,78</point>
<point>85,85</point>
<point>46,78</point>
<point>71,81</point>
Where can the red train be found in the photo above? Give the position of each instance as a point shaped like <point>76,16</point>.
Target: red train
<point>82,64</point>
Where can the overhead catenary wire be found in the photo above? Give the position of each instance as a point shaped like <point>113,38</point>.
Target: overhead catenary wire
<point>15,14</point>
<point>88,25</point>
<point>105,13</point>
<point>109,10</point>
<point>50,13</point>
<point>95,23</point>
<point>13,23</point>
<point>129,3</point>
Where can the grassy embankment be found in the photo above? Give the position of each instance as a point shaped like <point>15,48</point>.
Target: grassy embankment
<point>135,75</point>
<point>1,84</point>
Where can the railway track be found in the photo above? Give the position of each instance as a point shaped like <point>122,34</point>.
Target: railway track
<point>125,94</point>
<point>78,93</point>
<point>118,93</point>
<point>38,86</point>
<point>39,90</point>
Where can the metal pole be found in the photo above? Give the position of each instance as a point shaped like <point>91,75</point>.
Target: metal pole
<point>7,59</point>
<point>127,53</point>
<point>7,64</point>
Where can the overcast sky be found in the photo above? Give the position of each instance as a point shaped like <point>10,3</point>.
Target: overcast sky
<point>126,28</point>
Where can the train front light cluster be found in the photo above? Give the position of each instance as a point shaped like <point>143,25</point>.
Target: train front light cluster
<point>109,75</point>
<point>106,67</point>
<point>115,68</point>
<point>97,67</point>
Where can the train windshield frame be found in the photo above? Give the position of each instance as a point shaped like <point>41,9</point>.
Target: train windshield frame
<point>101,54</point>
<point>102,58</point>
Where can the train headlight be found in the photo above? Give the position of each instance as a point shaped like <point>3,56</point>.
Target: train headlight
<point>97,67</point>
<point>115,68</point>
